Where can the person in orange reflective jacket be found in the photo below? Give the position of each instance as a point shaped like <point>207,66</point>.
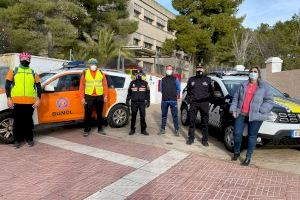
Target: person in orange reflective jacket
<point>23,90</point>
<point>93,92</point>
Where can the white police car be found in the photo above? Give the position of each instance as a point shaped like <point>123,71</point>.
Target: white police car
<point>281,129</point>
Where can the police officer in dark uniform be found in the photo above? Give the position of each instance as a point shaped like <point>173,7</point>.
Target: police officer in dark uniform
<point>199,91</point>
<point>139,95</point>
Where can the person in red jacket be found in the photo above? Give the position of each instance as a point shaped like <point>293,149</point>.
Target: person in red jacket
<point>93,92</point>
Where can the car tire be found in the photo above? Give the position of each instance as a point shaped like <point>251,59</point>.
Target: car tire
<point>185,118</point>
<point>118,116</point>
<point>6,127</point>
<point>229,137</point>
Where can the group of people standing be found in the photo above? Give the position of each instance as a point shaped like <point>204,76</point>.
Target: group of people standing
<point>251,104</point>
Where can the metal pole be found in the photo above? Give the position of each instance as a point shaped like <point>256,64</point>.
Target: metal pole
<point>123,64</point>
<point>119,60</point>
<point>154,69</point>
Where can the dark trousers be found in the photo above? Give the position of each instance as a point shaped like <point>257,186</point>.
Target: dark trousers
<point>253,128</point>
<point>23,123</point>
<point>203,107</point>
<point>164,113</point>
<point>135,107</point>
<point>92,101</point>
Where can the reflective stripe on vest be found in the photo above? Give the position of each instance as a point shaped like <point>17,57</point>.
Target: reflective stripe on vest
<point>23,83</point>
<point>93,83</point>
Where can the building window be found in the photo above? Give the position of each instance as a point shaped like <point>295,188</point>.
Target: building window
<point>186,58</point>
<point>147,45</point>
<point>136,42</point>
<point>148,20</point>
<point>147,66</point>
<point>160,26</point>
<point>136,13</point>
<point>158,49</point>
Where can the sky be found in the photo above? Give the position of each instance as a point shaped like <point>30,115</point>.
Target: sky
<point>259,11</point>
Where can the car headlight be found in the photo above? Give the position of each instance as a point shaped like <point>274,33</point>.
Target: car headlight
<point>272,117</point>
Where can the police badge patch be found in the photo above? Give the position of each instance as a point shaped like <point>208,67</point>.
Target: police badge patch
<point>193,83</point>
<point>205,83</point>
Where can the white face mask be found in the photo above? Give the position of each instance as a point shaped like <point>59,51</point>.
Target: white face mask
<point>93,67</point>
<point>169,72</point>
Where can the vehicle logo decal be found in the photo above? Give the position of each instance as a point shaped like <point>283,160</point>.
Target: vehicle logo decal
<point>62,103</point>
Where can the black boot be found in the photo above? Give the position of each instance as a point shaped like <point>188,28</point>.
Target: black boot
<point>205,143</point>
<point>235,156</point>
<point>189,141</point>
<point>86,132</point>
<point>144,132</point>
<point>131,132</point>
<point>246,162</point>
<point>17,145</point>
<point>30,143</point>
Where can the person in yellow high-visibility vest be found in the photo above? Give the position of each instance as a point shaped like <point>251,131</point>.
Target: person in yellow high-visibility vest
<point>93,92</point>
<point>23,90</point>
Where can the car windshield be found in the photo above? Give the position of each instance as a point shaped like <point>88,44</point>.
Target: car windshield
<point>233,85</point>
<point>46,76</point>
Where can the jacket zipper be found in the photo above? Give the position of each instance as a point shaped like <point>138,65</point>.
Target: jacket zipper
<point>24,83</point>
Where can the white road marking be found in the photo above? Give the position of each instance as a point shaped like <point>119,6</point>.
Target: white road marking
<point>95,152</point>
<point>124,187</point>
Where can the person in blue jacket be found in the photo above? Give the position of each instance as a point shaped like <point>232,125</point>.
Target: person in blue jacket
<point>170,89</point>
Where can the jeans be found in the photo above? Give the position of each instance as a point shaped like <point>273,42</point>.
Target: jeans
<point>164,113</point>
<point>253,128</point>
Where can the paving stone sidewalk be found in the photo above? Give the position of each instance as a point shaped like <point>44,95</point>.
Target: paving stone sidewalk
<point>69,171</point>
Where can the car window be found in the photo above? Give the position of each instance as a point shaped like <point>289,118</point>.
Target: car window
<point>276,92</point>
<point>117,81</point>
<point>232,85</point>
<point>3,72</point>
<point>68,82</point>
<point>217,87</point>
<point>110,83</point>
<point>46,76</point>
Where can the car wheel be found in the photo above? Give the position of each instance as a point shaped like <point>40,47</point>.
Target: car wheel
<point>229,138</point>
<point>185,119</point>
<point>118,116</point>
<point>6,127</point>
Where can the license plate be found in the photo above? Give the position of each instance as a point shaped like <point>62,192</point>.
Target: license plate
<point>295,134</point>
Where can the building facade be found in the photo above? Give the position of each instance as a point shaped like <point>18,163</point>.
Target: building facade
<point>152,32</point>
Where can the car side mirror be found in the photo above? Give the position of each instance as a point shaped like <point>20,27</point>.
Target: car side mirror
<point>218,94</point>
<point>49,88</point>
<point>286,95</point>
